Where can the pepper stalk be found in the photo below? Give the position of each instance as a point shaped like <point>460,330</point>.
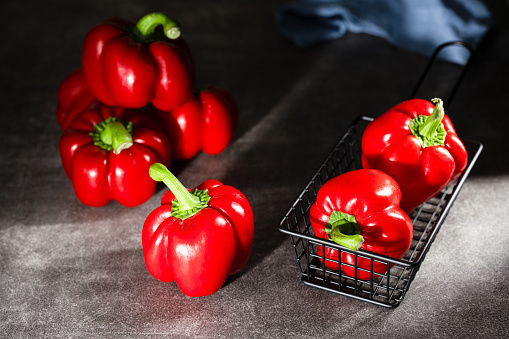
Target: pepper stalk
<point>145,28</point>
<point>186,203</point>
<point>112,135</point>
<point>430,129</point>
<point>342,228</point>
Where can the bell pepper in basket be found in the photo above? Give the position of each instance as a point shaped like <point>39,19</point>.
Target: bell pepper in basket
<point>197,237</point>
<point>206,122</point>
<point>416,144</point>
<point>131,65</point>
<point>107,153</point>
<point>360,210</point>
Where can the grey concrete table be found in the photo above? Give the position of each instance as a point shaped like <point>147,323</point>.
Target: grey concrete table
<point>72,271</point>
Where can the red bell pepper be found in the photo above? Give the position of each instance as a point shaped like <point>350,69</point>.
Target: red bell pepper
<point>73,98</point>
<point>107,153</point>
<point>416,144</point>
<point>131,65</point>
<point>206,122</point>
<point>360,210</point>
<point>197,237</point>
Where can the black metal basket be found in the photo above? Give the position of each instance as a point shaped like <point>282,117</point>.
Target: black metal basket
<point>386,289</point>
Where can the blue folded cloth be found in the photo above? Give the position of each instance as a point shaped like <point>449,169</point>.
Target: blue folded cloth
<point>414,25</point>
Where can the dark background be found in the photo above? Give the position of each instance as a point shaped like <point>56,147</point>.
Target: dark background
<point>72,271</point>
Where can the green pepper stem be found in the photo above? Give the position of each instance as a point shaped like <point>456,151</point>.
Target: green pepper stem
<point>430,129</point>
<point>343,229</point>
<point>120,138</point>
<point>187,200</point>
<point>112,135</point>
<point>147,25</point>
<point>432,123</point>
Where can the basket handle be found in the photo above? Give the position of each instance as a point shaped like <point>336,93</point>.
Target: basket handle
<point>433,59</point>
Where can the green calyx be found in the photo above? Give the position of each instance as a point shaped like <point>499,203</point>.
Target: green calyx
<point>342,228</point>
<point>113,135</point>
<point>203,200</point>
<point>145,29</point>
<point>430,129</point>
<point>186,203</point>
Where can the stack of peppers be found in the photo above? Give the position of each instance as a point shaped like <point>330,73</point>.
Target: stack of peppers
<point>126,114</point>
<point>131,104</point>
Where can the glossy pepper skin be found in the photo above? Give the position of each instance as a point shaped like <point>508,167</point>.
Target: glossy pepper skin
<point>197,237</point>
<point>131,65</point>
<point>107,152</point>
<point>206,122</point>
<point>360,210</point>
<point>416,144</point>
<point>74,97</point>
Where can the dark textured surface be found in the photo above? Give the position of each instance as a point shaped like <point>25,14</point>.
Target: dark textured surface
<point>71,271</point>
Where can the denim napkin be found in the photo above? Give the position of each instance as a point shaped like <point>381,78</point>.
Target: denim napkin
<point>414,25</point>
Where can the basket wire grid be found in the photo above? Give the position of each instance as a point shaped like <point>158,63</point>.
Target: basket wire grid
<point>387,289</point>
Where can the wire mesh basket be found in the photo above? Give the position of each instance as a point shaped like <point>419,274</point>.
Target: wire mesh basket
<point>387,289</point>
